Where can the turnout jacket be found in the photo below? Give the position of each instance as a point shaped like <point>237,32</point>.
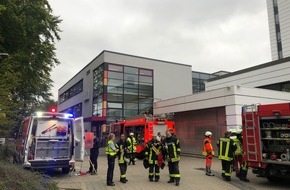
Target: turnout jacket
<point>123,148</point>
<point>152,151</point>
<point>172,149</point>
<point>227,149</point>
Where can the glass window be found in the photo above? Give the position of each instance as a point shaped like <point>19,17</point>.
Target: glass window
<point>145,79</point>
<point>130,98</point>
<point>115,68</point>
<point>130,113</point>
<point>131,91</point>
<point>130,105</point>
<point>145,72</point>
<point>146,100</point>
<point>145,92</point>
<point>114,112</point>
<point>131,70</point>
<point>145,86</point>
<point>130,84</point>
<point>115,75</point>
<point>115,90</point>
<point>114,82</point>
<point>130,77</point>
<point>145,106</point>
<point>115,97</point>
<point>115,105</point>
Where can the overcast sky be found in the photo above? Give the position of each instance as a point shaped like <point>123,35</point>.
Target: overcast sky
<point>210,35</point>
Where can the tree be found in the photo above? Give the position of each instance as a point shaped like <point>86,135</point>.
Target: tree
<point>28,31</point>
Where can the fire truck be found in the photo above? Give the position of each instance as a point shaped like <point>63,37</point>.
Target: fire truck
<point>266,139</point>
<point>142,127</point>
<point>50,140</point>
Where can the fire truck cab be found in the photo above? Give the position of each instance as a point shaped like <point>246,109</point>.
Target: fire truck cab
<point>266,139</point>
<point>50,140</point>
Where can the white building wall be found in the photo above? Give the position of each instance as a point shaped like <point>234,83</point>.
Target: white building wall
<point>232,98</point>
<point>272,30</point>
<point>170,79</point>
<point>272,74</point>
<point>284,20</point>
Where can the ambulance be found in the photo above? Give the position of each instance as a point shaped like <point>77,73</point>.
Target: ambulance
<point>48,140</point>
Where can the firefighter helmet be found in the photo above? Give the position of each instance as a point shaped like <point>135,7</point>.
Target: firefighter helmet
<point>131,134</point>
<point>208,133</point>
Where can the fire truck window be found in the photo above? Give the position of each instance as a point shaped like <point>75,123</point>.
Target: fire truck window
<point>139,134</point>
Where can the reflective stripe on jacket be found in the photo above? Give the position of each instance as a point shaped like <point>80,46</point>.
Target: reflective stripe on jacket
<point>131,144</point>
<point>227,148</point>
<point>109,150</point>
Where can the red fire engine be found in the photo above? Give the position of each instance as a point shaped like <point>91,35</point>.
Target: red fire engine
<point>142,127</point>
<point>266,139</point>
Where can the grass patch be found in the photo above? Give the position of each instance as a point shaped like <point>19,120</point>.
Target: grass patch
<point>13,177</point>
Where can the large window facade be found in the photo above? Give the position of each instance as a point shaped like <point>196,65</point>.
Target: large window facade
<point>74,90</point>
<point>122,91</point>
<point>198,80</point>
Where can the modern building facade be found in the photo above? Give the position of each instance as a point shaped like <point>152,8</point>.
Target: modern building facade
<point>200,78</point>
<point>279,27</point>
<point>115,86</point>
<point>219,107</point>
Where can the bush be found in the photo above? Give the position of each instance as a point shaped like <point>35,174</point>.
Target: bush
<point>13,177</point>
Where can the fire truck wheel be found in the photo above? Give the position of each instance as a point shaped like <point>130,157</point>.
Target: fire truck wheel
<point>65,170</point>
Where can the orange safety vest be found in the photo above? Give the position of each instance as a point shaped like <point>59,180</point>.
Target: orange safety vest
<point>207,147</point>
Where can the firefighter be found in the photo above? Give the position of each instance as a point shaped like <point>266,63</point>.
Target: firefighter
<point>122,146</point>
<point>152,152</point>
<point>172,149</point>
<point>132,148</point>
<point>94,154</point>
<point>240,164</point>
<point>208,152</point>
<point>111,152</point>
<point>227,149</point>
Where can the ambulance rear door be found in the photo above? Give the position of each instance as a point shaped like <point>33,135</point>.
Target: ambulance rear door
<point>79,139</point>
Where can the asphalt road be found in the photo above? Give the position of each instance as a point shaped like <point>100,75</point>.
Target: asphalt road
<point>192,177</point>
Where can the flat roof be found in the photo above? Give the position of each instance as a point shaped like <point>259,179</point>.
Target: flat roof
<point>107,51</point>
<point>268,64</point>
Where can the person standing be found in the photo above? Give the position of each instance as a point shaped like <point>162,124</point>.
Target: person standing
<point>158,136</point>
<point>132,148</point>
<point>227,149</point>
<point>94,154</point>
<point>111,152</point>
<point>240,164</point>
<point>208,152</point>
<point>122,146</point>
<point>152,151</point>
<point>172,150</point>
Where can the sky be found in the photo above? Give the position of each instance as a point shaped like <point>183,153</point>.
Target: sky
<point>210,35</point>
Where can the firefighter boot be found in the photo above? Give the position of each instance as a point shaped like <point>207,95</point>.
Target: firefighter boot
<point>171,180</point>
<point>208,172</point>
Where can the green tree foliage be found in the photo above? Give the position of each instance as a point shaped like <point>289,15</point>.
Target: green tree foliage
<point>28,31</point>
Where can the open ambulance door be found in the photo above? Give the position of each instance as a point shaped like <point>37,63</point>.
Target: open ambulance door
<point>79,139</point>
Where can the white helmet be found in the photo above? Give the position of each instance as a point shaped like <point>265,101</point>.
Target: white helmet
<point>131,134</point>
<point>208,133</point>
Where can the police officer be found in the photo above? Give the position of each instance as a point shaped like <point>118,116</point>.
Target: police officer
<point>122,154</point>
<point>227,149</point>
<point>94,154</point>
<point>111,152</point>
<point>152,151</point>
<point>172,150</point>
<point>132,148</point>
